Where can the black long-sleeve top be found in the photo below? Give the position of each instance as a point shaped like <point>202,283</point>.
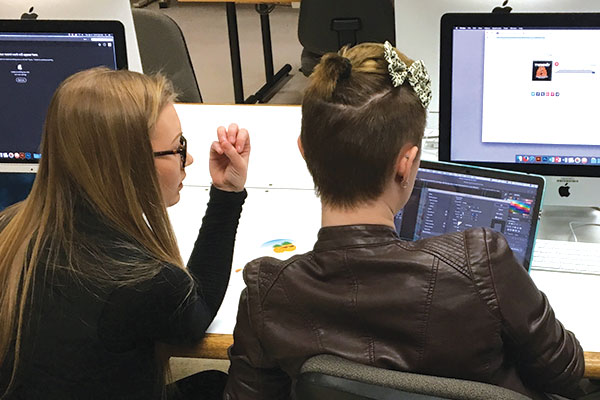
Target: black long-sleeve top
<point>97,343</point>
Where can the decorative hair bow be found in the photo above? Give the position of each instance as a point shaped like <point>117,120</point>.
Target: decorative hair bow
<point>416,74</point>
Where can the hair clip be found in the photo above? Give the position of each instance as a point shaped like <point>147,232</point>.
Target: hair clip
<point>416,74</point>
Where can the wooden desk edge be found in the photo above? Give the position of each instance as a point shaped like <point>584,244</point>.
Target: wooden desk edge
<point>592,365</point>
<point>214,346</point>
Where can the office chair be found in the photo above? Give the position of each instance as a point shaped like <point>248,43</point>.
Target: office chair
<point>163,49</point>
<point>328,25</point>
<point>334,378</point>
<point>144,3</point>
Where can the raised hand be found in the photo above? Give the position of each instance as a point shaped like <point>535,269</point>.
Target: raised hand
<point>228,162</point>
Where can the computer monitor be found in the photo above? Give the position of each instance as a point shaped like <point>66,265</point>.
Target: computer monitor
<point>519,92</point>
<point>14,187</point>
<point>418,24</point>
<point>104,10</point>
<point>35,56</point>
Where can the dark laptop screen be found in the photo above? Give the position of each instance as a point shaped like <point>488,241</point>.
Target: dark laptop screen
<point>449,200</point>
<point>33,64</point>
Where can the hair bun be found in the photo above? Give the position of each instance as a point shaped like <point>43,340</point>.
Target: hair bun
<point>336,67</point>
<point>345,74</point>
<point>329,72</point>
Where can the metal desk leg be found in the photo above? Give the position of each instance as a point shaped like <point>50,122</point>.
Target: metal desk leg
<point>265,92</point>
<point>265,28</point>
<point>234,50</point>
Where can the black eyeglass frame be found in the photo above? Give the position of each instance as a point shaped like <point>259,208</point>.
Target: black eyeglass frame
<point>181,150</point>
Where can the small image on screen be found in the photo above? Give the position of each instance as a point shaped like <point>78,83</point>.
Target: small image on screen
<point>14,187</point>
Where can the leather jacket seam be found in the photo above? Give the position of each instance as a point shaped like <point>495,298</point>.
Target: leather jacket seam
<point>497,318</point>
<point>356,246</point>
<point>354,305</point>
<point>277,276</point>
<point>435,254</point>
<point>498,314</point>
<point>428,303</point>
<point>305,314</point>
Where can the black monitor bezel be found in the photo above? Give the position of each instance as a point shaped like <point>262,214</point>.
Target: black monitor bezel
<point>531,20</point>
<point>72,26</point>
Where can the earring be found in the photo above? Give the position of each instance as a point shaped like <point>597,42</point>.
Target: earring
<point>403,183</point>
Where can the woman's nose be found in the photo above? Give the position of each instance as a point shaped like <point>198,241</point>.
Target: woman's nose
<point>189,159</point>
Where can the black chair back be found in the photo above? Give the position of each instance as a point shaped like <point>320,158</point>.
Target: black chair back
<point>163,49</point>
<point>327,25</point>
<point>334,378</point>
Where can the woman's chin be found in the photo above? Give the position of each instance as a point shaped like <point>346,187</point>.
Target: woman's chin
<point>174,200</point>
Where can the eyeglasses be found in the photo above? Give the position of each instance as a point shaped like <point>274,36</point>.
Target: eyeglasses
<point>181,150</point>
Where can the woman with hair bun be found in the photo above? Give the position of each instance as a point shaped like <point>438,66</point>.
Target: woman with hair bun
<point>457,305</point>
<point>91,275</point>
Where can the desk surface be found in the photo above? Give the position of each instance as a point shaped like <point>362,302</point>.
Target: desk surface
<point>278,185</point>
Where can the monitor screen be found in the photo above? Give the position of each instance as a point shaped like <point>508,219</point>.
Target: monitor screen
<point>14,187</point>
<point>418,25</point>
<point>451,198</point>
<point>518,92</point>
<point>35,57</point>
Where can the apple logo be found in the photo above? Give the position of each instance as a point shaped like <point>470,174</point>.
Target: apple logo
<point>29,15</point>
<point>563,191</point>
<point>504,9</point>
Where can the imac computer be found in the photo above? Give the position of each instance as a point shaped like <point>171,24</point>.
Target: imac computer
<point>520,92</point>
<point>418,24</point>
<point>35,57</point>
<point>104,10</point>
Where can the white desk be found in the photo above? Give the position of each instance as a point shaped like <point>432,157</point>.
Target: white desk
<point>282,205</point>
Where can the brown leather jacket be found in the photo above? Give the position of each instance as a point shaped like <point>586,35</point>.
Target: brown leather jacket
<point>457,305</point>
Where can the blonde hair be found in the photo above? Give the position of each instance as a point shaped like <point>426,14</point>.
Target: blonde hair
<point>96,156</point>
<point>354,123</point>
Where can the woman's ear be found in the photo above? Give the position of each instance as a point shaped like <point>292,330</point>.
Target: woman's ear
<point>300,147</point>
<point>405,162</point>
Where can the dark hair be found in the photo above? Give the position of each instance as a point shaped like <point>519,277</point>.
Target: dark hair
<point>354,123</point>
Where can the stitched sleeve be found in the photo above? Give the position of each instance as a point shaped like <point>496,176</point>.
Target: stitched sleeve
<point>252,374</point>
<point>548,356</point>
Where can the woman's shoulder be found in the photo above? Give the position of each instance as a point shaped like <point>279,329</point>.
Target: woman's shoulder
<point>262,273</point>
<point>460,249</point>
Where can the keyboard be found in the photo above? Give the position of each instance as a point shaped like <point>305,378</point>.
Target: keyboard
<point>562,256</point>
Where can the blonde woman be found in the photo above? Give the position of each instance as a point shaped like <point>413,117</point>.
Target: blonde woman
<point>90,272</point>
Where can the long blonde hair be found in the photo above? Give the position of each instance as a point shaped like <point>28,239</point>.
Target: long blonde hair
<point>96,154</point>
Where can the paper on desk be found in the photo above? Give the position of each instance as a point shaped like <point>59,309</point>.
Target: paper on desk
<point>276,222</point>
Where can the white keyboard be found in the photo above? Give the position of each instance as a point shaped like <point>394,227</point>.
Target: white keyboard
<point>562,256</point>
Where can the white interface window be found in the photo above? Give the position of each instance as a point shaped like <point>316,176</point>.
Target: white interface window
<point>541,86</point>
